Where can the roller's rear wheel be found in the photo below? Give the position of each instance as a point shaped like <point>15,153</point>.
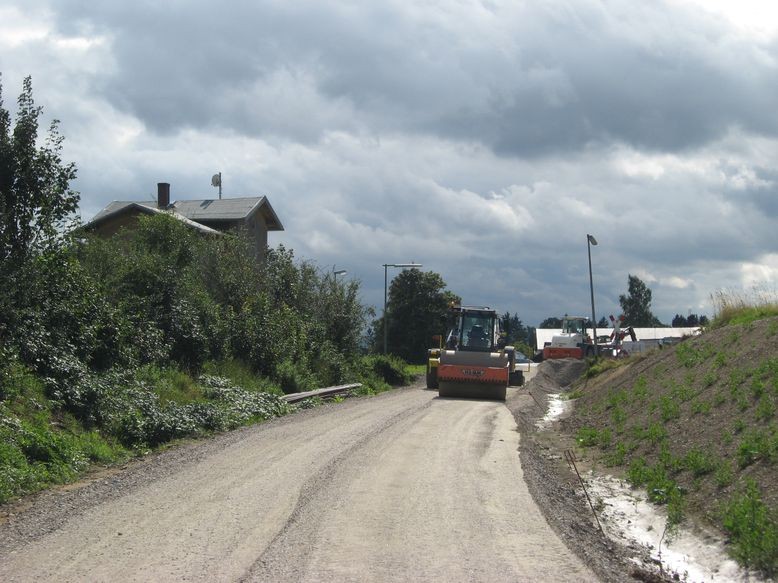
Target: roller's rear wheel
<point>447,389</point>
<point>432,377</point>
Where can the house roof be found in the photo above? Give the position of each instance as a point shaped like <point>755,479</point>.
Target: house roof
<point>195,211</point>
<point>228,209</point>
<point>119,207</point>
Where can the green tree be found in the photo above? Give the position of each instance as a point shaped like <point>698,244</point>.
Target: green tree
<point>551,322</point>
<point>636,304</point>
<point>417,308</point>
<point>513,328</point>
<point>603,323</point>
<point>36,201</point>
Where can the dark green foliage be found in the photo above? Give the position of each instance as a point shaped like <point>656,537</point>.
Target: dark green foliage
<point>753,530</point>
<point>690,320</point>
<point>389,369</point>
<point>417,309</point>
<point>551,322</point>
<point>758,444</point>
<point>35,196</point>
<point>589,437</point>
<point>102,341</point>
<point>636,305</point>
<point>661,487</point>
<point>513,328</point>
<point>294,378</point>
<point>698,462</point>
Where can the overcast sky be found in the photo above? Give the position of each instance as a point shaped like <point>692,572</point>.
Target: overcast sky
<point>483,139</point>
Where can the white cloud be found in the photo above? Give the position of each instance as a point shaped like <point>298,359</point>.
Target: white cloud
<point>761,272</point>
<point>18,27</point>
<point>751,17</point>
<point>482,139</point>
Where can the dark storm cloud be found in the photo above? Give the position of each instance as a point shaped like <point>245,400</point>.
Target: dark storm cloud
<point>531,79</point>
<point>483,141</point>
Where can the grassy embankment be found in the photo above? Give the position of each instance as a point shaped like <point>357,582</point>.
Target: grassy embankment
<point>696,426</point>
<point>42,444</point>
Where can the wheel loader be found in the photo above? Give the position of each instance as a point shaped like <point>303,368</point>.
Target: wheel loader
<point>573,341</point>
<point>474,361</point>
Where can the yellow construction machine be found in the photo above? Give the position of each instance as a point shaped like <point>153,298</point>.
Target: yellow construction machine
<point>474,361</point>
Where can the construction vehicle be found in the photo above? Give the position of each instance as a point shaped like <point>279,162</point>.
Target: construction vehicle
<point>474,361</point>
<point>615,347</point>
<point>573,342</point>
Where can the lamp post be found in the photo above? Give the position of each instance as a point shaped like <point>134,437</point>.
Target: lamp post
<point>335,273</point>
<point>386,282</point>
<point>590,240</point>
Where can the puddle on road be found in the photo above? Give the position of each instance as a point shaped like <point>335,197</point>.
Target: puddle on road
<point>627,516</point>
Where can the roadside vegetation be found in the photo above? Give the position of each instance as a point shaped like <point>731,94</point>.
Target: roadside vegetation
<point>109,348</point>
<point>696,426</point>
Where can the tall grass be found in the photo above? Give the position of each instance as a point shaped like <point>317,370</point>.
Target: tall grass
<point>743,307</point>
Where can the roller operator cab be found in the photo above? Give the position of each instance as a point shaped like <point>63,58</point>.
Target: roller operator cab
<point>473,361</point>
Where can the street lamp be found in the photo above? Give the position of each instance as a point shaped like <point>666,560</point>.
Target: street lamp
<point>386,268</point>
<point>335,273</point>
<point>590,240</point>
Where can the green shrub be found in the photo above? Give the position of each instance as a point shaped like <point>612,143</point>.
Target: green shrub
<point>698,462</point>
<point>660,487</point>
<point>240,374</point>
<point>765,409</point>
<point>600,365</point>
<point>389,369</point>
<point>640,389</point>
<point>590,436</point>
<point>710,379</point>
<point>294,378</point>
<point>617,456</point>
<point>756,444</point>
<point>655,433</point>
<point>753,530</point>
<point>725,475</point>
<point>669,408</point>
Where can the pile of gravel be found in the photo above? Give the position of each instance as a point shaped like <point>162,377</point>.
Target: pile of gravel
<point>556,376</point>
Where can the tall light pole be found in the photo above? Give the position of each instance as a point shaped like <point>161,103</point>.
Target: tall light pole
<point>590,240</point>
<point>336,273</point>
<point>386,283</point>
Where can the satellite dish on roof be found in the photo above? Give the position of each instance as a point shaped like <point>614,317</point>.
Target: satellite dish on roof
<point>216,180</point>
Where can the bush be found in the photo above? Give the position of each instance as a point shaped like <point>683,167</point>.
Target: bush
<point>388,368</point>
<point>753,529</point>
<point>294,378</point>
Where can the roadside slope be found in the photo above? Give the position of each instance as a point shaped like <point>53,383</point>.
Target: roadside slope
<point>696,425</point>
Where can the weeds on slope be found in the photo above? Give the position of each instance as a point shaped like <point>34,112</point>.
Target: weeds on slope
<point>695,426</point>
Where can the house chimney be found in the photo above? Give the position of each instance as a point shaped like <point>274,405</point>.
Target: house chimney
<point>163,195</point>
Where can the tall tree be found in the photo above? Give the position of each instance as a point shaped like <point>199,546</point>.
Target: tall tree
<point>36,200</point>
<point>678,321</point>
<point>417,308</point>
<point>513,328</point>
<point>603,323</point>
<point>551,322</point>
<point>636,305</point>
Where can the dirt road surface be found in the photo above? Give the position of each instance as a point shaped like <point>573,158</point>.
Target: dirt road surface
<point>400,487</point>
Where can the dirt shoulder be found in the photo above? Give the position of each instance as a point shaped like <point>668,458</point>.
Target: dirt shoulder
<point>555,486</point>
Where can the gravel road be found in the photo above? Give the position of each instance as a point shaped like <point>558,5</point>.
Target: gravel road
<point>400,487</point>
